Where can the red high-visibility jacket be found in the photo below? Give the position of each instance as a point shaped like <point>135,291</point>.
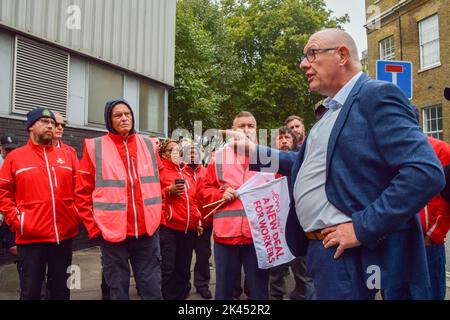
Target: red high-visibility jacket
<point>118,192</point>
<point>230,223</point>
<point>37,194</point>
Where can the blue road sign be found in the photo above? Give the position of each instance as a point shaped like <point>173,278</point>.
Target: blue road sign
<point>397,72</point>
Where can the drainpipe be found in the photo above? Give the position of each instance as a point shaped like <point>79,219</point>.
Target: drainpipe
<point>401,41</point>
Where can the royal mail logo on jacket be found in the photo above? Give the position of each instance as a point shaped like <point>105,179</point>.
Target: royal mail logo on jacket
<point>60,161</point>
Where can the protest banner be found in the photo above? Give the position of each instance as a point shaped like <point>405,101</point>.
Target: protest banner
<point>267,207</point>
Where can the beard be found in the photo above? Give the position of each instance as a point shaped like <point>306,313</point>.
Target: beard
<point>44,138</point>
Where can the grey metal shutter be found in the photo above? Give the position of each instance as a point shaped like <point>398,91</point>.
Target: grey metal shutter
<point>40,77</point>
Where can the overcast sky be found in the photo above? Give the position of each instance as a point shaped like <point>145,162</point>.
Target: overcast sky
<point>356,10</point>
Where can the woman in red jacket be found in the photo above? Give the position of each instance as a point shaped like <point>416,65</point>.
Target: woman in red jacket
<point>180,222</point>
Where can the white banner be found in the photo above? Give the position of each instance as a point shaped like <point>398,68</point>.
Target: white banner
<point>267,208</point>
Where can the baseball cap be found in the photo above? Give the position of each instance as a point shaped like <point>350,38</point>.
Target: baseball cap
<point>8,141</point>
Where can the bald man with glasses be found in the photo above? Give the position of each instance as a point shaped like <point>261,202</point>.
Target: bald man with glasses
<point>359,180</point>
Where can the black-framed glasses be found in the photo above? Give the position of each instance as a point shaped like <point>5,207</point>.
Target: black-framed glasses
<point>310,55</point>
<point>59,124</point>
<point>47,121</point>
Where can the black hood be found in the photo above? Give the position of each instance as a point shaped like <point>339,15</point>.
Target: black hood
<point>108,111</point>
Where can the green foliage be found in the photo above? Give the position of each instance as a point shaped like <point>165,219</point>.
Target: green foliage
<point>234,55</point>
<point>194,98</point>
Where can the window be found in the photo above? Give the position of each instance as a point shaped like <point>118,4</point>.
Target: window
<point>151,107</point>
<point>40,77</point>
<point>429,42</point>
<point>432,121</point>
<point>104,84</point>
<point>387,49</point>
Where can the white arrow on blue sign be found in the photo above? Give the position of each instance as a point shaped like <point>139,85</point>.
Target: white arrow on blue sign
<point>397,72</point>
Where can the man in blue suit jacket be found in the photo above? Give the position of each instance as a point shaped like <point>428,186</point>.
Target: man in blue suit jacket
<point>359,180</point>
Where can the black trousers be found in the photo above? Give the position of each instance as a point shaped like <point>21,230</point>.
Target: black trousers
<point>145,258</point>
<point>176,251</point>
<point>202,248</point>
<point>7,238</point>
<point>32,263</point>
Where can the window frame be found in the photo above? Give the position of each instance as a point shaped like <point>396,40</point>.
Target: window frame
<point>150,84</point>
<point>421,45</point>
<point>88,82</point>
<point>383,56</point>
<point>427,122</point>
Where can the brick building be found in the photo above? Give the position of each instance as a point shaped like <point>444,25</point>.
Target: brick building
<point>416,31</point>
<point>73,55</point>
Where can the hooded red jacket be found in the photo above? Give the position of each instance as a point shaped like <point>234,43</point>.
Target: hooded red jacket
<point>435,217</point>
<point>180,212</point>
<point>86,184</point>
<point>37,194</point>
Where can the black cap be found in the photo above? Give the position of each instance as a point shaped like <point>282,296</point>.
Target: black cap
<point>447,93</point>
<point>8,141</point>
<point>36,114</point>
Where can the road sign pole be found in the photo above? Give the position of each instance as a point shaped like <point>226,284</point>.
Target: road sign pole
<point>394,78</point>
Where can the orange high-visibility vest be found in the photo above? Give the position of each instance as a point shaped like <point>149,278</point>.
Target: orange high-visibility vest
<point>109,197</point>
<point>230,221</point>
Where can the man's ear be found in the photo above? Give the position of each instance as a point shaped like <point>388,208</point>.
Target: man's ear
<point>344,54</point>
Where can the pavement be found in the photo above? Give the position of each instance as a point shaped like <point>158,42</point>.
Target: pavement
<point>88,261</point>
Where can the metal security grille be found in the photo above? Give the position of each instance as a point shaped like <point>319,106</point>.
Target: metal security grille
<point>40,77</point>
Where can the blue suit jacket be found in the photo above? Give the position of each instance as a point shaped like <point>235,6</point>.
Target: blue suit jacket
<point>381,171</point>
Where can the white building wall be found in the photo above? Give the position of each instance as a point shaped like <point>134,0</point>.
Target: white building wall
<point>138,35</point>
<point>6,58</point>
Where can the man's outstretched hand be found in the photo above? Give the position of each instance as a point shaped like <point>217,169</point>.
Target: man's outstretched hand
<point>239,142</point>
